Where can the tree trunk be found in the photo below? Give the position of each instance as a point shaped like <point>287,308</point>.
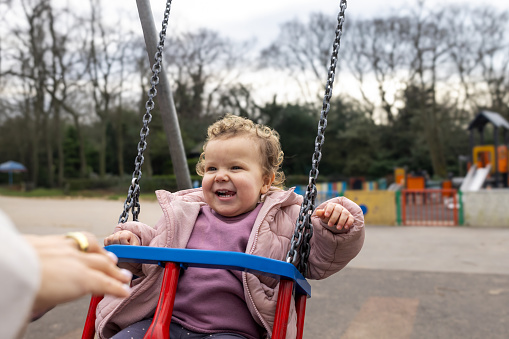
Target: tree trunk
<point>120,142</point>
<point>49,152</point>
<point>34,136</point>
<point>102,149</point>
<point>60,146</point>
<point>81,143</point>
<point>434,140</point>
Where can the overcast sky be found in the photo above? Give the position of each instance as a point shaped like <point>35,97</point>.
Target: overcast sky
<point>243,20</point>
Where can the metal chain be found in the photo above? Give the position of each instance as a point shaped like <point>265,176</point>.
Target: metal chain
<point>133,195</point>
<point>300,246</point>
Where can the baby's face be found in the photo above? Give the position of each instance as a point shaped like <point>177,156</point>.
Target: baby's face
<point>233,177</point>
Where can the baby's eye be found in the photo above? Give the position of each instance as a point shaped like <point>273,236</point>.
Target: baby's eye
<point>210,169</point>
<point>236,167</point>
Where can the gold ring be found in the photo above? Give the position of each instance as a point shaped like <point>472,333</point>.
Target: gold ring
<point>80,239</point>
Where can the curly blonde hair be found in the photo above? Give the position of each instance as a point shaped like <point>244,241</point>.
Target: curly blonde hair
<point>267,139</point>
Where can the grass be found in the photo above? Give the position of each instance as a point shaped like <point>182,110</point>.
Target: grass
<point>59,193</point>
<point>39,192</point>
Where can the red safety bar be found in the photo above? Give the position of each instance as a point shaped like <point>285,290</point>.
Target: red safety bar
<point>300,306</point>
<point>89,330</point>
<point>160,327</point>
<point>282,309</point>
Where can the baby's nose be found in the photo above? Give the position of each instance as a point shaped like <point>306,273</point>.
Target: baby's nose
<point>221,176</point>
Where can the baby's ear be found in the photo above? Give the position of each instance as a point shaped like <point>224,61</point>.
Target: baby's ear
<point>267,183</point>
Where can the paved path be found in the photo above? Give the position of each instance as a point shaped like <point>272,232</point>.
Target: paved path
<point>407,282</point>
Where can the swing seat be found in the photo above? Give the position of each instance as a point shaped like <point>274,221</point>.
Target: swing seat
<point>172,259</point>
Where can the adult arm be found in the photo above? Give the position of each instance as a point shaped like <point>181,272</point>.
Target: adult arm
<point>20,279</point>
<point>39,272</point>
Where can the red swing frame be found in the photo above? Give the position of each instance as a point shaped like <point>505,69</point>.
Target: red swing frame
<point>290,281</point>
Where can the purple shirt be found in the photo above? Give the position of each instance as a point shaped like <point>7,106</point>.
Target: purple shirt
<point>212,300</point>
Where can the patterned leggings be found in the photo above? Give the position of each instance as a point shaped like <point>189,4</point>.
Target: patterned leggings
<point>138,330</point>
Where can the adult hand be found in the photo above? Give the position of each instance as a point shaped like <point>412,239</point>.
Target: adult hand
<point>68,273</point>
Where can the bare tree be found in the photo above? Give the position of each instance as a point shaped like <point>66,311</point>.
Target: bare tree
<point>493,56</point>
<point>127,44</point>
<point>62,61</point>
<point>463,41</point>
<point>104,65</point>
<point>66,82</point>
<point>406,52</point>
<point>203,65</point>
<point>31,58</point>
<point>42,64</point>
<point>302,50</point>
<point>427,36</point>
<point>379,49</point>
<point>239,101</point>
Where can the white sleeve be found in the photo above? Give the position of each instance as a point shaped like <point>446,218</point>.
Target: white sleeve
<point>20,280</point>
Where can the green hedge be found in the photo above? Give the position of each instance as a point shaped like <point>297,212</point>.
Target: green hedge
<point>296,180</point>
<point>121,185</point>
<point>149,184</point>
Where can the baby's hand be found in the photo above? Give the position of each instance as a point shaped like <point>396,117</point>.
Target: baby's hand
<point>122,238</point>
<point>336,215</point>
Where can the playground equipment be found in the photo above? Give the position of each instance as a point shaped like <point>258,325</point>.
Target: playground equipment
<point>489,162</point>
<point>296,259</point>
<point>172,259</point>
<point>475,178</point>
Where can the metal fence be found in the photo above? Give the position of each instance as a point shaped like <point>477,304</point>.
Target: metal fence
<point>430,207</point>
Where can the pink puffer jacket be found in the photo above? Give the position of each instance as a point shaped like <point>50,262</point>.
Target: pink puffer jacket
<point>270,237</point>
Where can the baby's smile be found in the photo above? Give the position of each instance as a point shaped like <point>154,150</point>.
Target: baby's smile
<point>225,193</point>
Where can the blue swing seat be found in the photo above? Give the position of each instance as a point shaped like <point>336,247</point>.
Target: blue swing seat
<point>173,259</point>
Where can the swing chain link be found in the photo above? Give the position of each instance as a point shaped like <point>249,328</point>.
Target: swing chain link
<point>300,245</point>
<point>132,201</point>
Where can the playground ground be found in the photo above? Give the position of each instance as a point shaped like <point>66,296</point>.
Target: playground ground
<point>407,282</point>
